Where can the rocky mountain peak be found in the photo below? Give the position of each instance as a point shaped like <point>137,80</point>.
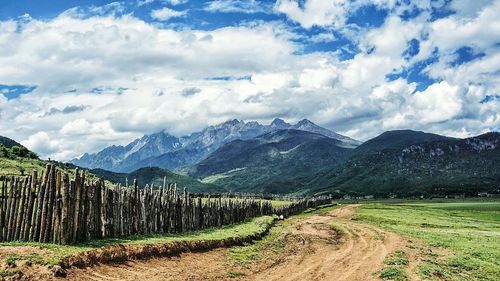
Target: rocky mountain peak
<point>164,150</point>
<point>233,122</point>
<point>305,122</point>
<point>279,123</point>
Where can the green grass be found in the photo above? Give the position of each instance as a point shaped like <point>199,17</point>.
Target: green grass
<point>470,231</point>
<point>397,258</point>
<point>271,243</point>
<point>394,267</point>
<point>31,259</point>
<point>317,210</point>
<point>338,227</point>
<point>16,166</point>
<point>393,273</point>
<point>234,274</point>
<point>57,252</point>
<point>13,167</point>
<point>216,177</point>
<point>9,272</point>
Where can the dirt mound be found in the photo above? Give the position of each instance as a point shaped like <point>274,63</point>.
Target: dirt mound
<point>122,253</point>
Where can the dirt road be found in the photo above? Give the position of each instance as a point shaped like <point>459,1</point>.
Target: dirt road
<point>313,251</point>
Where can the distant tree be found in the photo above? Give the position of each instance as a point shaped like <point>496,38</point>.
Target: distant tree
<point>15,150</point>
<point>32,155</point>
<point>21,170</point>
<point>4,151</point>
<point>20,151</point>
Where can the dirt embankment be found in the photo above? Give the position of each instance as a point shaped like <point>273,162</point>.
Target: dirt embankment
<point>122,253</point>
<point>313,251</point>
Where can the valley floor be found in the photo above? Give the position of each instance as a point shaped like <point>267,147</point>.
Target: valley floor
<point>373,241</point>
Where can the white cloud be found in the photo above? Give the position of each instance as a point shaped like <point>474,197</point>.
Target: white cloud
<point>323,37</point>
<point>439,102</point>
<point>176,2</point>
<point>165,13</point>
<point>315,12</point>
<point>41,143</point>
<point>144,69</point>
<point>454,32</point>
<point>467,8</point>
<point>237,6</point>
<point>170,2</point>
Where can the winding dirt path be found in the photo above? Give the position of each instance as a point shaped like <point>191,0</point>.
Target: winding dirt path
<point>313,251</point>
<point>357,255</point>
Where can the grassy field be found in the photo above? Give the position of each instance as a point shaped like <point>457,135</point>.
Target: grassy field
<point>54,253</point>
<point>14,167</point>
<point>18,166</point>
<point>468,233</point>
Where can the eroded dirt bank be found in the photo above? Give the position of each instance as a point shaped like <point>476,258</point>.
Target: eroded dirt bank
<point>313,250</point>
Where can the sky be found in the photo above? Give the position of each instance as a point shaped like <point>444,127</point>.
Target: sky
<point>78,76</point>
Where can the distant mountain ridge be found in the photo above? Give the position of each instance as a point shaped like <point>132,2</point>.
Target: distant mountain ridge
<point>400,163</point>
<point>166,151</point>
<point>8,143</point>
<point>414,164</point>
<point>397,139</point>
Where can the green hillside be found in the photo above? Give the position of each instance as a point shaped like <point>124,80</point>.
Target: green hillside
<point>16,159</point>
<point>397,139</point>
<point>435,168</point>
<point>155,176</point>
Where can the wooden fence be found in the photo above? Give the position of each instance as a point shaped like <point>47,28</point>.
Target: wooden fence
<point>53,208</point>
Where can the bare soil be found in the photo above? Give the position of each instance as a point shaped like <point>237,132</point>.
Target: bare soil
<point>312,251</point>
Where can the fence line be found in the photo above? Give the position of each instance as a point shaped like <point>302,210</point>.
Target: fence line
<point>53,208</point>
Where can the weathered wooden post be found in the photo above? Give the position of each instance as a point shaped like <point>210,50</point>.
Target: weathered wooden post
<point>30,206</point>
<point>12,207</point>
<point>65,210</point>
<point>51,191</point>
<point>39,206</point>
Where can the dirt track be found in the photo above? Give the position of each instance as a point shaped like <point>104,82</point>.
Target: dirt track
<point>313,251</point>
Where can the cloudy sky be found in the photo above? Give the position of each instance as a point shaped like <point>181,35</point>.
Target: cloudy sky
<point>77,76</point>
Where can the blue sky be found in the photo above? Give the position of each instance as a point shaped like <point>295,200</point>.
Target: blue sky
<point>80,75</point>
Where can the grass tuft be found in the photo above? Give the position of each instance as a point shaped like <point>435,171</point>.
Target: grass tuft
<point>235,274</point>
<point>393,273</point>
<point>9,272</point>
<point>397,258</point>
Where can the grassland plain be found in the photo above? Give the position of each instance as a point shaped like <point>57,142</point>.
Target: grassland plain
<point>468,233</point>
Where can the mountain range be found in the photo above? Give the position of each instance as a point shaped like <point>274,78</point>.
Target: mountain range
<point>300,159</point>
<point>399,163</point>
<point>166,151</point>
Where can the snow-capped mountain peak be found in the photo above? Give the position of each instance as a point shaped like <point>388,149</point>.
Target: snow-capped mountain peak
<point>167,151</point>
